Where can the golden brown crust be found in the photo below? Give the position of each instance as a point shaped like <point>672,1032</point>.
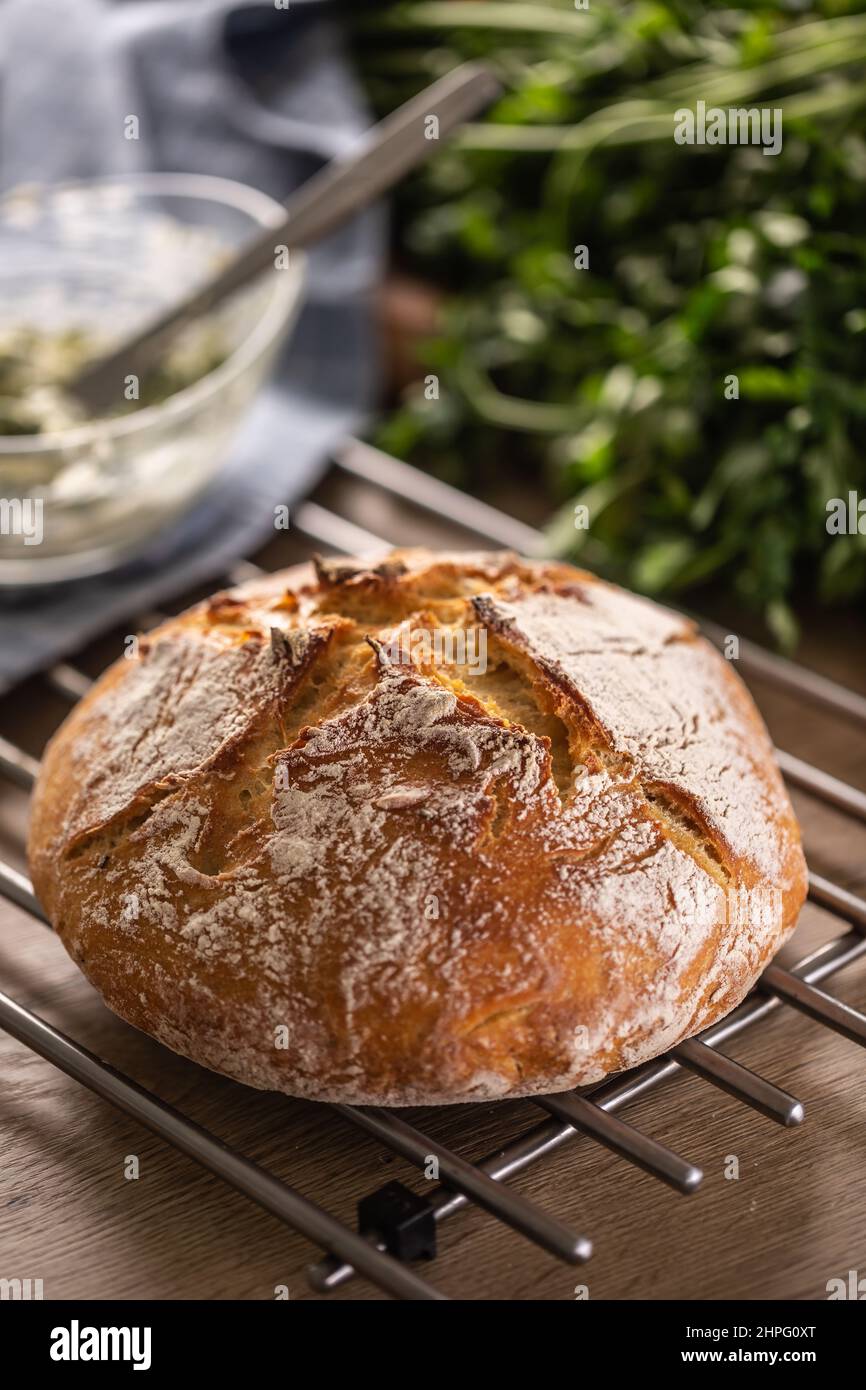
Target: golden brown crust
<point>310,839</point>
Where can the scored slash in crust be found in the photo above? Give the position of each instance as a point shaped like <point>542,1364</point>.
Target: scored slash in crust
<point>306,850</point>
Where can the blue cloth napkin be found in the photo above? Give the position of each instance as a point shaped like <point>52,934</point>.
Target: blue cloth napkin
<point>248,91</point>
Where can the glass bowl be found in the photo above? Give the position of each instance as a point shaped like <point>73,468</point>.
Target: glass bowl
<point>105,256</point>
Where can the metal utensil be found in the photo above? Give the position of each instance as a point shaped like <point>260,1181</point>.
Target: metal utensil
<point>390,149</point>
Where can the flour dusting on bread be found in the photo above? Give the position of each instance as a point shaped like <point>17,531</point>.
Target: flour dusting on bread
<point>436,880</point>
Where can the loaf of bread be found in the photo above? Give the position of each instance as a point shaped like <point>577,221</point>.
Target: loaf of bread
<point>442,828</point>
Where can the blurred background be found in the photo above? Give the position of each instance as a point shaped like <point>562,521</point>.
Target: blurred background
<point>654,350</point>
<point>566,313</point>
<point>606,386</point>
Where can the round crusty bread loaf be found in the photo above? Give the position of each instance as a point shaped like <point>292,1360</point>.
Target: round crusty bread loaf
<point>444,828</point>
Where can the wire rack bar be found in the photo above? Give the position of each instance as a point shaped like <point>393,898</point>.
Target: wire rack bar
<point>410,485</point>
<point>623,1139</point>
<point>72,685</point>
<point>334,531</point>
<point>327,529</point>
<point>591,1112</point>
<point>626,1141</point>
<point>17,765</point>
<point>544,1139</point>
<point>439,499</point>
<point>516,1211</point>
<point>811,1000</point>
<point>820,784</point>
<point>793,678</point>
<point>577,1112</point>
<point>839,901</point>
<point>511,1208</point>
<point>190,1138</point>
<point>19,890</point>
<point>739,1082</point>
<point>245,571</point>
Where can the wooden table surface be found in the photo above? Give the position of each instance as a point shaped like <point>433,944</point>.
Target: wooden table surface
<point>793,1219</point>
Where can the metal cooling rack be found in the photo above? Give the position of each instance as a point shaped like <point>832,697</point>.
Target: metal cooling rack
<point>396,1224</point>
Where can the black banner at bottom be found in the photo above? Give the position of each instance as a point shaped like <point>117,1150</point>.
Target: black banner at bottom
<point>225,1338</point>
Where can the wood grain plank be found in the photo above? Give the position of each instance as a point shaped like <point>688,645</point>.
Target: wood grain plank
<point>794,1218</point>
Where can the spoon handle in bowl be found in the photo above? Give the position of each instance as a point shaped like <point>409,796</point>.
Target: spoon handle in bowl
<point>400,142</point>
